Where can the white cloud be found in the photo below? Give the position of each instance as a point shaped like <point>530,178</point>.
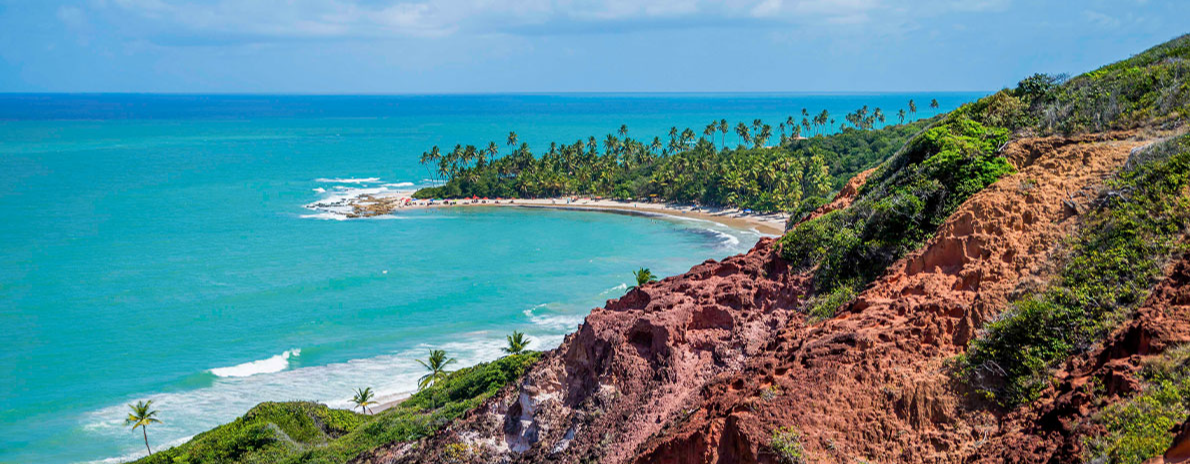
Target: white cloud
<point>264,20</point>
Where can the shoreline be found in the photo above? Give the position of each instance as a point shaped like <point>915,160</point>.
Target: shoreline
<point>365,206</point>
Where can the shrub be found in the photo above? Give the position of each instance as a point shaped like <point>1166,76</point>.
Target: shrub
<point>786,443</point>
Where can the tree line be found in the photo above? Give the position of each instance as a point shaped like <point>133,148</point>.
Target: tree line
<point>809,161</point>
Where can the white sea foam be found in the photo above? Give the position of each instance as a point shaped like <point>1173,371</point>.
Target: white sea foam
<point>614,290</point>
<point>556,322</point>
<point>399,184</point>
<point>319,190</point>
<point>349,180</point>
<point>272,364</point>
<point>726,240</point>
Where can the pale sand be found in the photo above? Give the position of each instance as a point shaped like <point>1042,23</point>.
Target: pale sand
<point>772,224</point>
<point>387,401</point>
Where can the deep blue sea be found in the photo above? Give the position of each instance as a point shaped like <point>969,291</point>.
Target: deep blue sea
<point>156,247</point>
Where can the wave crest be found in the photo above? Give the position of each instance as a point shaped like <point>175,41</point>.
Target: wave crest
<point>272,364</point>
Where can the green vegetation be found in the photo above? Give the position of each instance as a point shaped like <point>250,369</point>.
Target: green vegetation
<point>306,432</point>
<point>899,208</point>
<point>1137,225</point>
<point>795,176</point>
<point>1152,87</point>
<point>1142,427</point>
<point>643,276</point>
<point>363,398</point>
<point>786,443</point>
<point>141,417</point>
<point>517,343</point>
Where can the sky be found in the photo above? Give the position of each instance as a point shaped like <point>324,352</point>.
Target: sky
<point>491,46</point>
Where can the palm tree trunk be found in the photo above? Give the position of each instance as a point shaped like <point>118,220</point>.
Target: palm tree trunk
<point>145,431</point>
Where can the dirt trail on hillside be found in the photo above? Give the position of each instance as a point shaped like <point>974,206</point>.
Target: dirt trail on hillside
<point>872,383</point>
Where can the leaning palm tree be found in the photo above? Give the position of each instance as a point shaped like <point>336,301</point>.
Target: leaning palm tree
<point>643,276</point>
<point>436,364</point>
<point>517,343</point>
<point>141,417</point>
<point>363,398</point>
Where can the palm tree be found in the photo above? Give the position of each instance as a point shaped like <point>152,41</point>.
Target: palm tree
<point>643,276</point>
<point>623,130</point>
<point>710,131</point>
<point>512,139</point>
<point>363,398</point>
<point>517,343</point>
<point>912,108</point>
<point>141,417</point>
<point>723,128</point>
<point>741,130</point>
<point>436,364</point>
<point>934,105</point>
<point>901,115</point>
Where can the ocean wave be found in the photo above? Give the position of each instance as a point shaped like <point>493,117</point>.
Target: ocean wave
<point>349,180</point>
<point>272,364</point>
<point>725,239</point>
<point>552,322</point>
<point>399,184</point>
<point>617,289</point>
<point>319,190</point>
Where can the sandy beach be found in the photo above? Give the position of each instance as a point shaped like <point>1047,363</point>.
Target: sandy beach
<point>363,206</point>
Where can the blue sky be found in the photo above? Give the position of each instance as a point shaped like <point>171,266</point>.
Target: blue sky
<point>423,46</point>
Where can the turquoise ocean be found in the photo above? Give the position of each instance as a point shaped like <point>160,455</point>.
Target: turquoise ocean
<point>156,247</point>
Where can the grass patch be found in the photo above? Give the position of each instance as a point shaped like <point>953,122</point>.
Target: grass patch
<point>1142,427</point>
<point>1116,258</point>
<point>307,432</point>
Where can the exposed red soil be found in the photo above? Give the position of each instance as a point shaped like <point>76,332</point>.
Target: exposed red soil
<point>704,366</point>
<point>1051,429</point>
<point>873,383</point>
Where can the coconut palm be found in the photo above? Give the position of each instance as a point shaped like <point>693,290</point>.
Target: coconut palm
<point>512,139</point>
<point>934,105</point>
<point>623,130</point>
<point>517,343</point>
<point>723,128</point>
<point>363,398</point>
<point>901,115</point>
<point>141,417</point>
<point>643,276</point>
<point>912,108</point>
<point>436,365</point>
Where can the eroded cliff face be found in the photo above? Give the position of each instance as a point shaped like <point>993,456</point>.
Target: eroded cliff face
<point>630,368</point>
<point>706,366</point>
<point>873,383</point>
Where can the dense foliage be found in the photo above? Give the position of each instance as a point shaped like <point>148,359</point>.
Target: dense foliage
<point>306,432</point>
<point>899,207</point>
<point>1142,426</point>
<point>797,175</point>
<point>1138,222</point>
